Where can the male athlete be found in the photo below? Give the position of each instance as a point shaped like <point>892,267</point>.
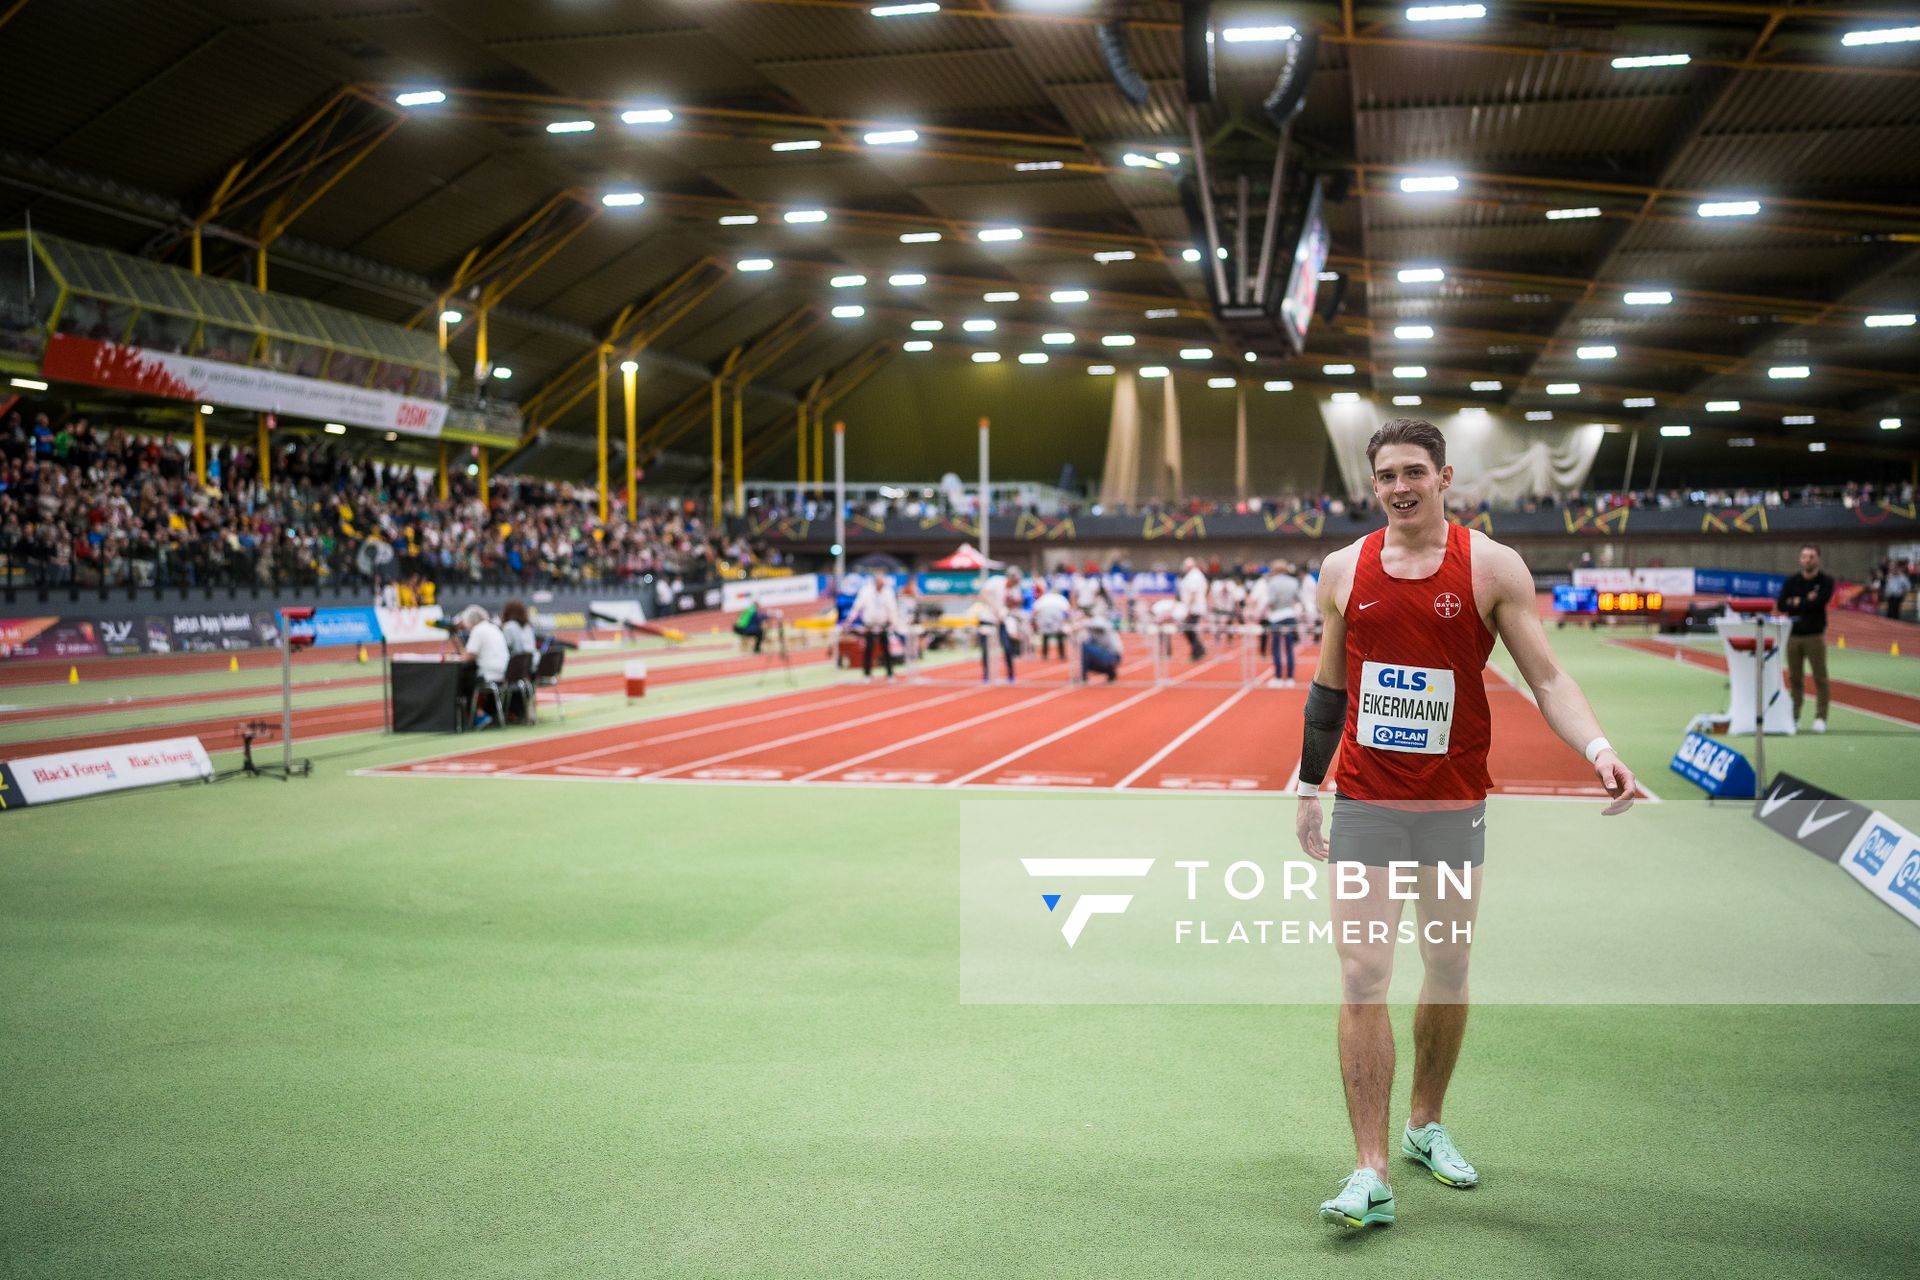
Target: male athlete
<point>1411,613</point>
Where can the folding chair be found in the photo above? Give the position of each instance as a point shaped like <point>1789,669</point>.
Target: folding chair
<point>547,674</point>
<point>518,684</point>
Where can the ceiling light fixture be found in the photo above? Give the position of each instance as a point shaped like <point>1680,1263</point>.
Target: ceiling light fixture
<point>1405,401</point>
<point>906,280</point>
<point>920,237</point>
<point>1652,60</point>
<point>1596,353</point>
<point>647,115</point>
<point>999,235</point>
<point>929,326</point>
<point>1057,339</point>
<point>1037,166</point>
<point>986,357</point>
<point>1889,424</point>
<point>1723,406</point>
<point>849,312</point>
<point>1903,320</point>
<point>918,344</point>
<point>335,429</point>
<point>1033,357</point>
<point>1797,420</point>
<point>1115,255</point>
<point>451,317</point>
<point>1647,298</point>
<point>1134,160</point>
<point>570,126</point>
<point>1117,340</point>
<point>1557,215</point>
<point>1429,184</point>
<point>1816,446</point>
<point>979,326</point>
<point>1346,397</point>
<point>1189,255</point>
<point>890,137</point>
<point>1539,415</point>
<point>740,220</point>
<point>1729,209</point>
<point>28,384</point>
<point>1100,370</point>
<point>1886,35</point>
<point>1675,430</point>
<point>1422,275</point>
<point>1413,332</point>
<point>1445,12</point>
<point>1068,295</point>
<point>1222,384</point>
<point>1336,370</point>
<point>1278,384</point>
<point>805,215</point>
<point>847,282</point>
<point>1409,371</point>
<point>1485,386</point>
<point>798,144</point>
<point>1154,371</point>
<point>1163,313</point>
<point>1196,353</point>
<point>754,264</point>
<point>1639,402</point>
<point>1563,388</point>
<point>1785,372</point>
<point>1255,35</point>
<point>904,10</point>
<point>622,199</point>
<point>1004,296</point>
<point>420,98</point>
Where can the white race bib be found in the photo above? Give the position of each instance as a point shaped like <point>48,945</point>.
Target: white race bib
<point>1405,708</point>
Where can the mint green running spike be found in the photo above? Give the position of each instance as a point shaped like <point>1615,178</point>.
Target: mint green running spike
<point>1433,1147</point>
<point>1362,1201</point>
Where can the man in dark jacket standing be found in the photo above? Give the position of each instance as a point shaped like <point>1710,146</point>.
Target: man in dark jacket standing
<point>1804,598</point>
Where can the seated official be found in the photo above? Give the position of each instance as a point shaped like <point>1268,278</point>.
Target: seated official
<point>517,626</point>
<point>486,646</point>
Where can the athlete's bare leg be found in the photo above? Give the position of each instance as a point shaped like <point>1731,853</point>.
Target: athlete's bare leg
<point>1440,1020</point>
<point>1366,1035</point>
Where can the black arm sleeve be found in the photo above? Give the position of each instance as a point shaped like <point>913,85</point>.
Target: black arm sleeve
<point>1326,719</point>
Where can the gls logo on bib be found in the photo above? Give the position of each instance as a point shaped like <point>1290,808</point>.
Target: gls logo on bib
<point>1405,708</point>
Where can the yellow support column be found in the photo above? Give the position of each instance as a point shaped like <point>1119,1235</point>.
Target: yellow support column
<point>715,510</point>
<point>265,453</point>
<point>480,347</point>
<point>260,270</point>
<point>196,250</point>
<point>739,467</point>
<point>442,477</point>
<point>440,318</point>
<point>629,374</point>
<point>600,424</point>
<point>199,447</point>
<point>485,503</point>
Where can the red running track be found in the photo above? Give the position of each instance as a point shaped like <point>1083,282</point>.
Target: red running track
<point>1902,708</point>
<point>1097,737</point>
<point>223,733</point>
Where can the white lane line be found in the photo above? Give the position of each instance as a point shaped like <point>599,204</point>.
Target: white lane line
<point>822,731</point>
<point>1078,725</point>
<point>717,726</point>
<point>1173,746</point>
<point>931,734</point>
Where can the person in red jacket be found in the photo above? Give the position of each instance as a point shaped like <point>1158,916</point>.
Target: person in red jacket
<point>1411,613</point>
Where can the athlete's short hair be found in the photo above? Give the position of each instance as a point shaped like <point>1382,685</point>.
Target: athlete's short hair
<point>1415,431</point>
<point>1813,547</point>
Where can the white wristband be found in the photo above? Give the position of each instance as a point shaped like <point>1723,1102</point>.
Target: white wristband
<point>1304,788</point>
<point>1595,747</point>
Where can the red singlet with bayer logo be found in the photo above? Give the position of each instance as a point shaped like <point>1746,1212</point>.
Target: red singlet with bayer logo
<point>1417,721</point>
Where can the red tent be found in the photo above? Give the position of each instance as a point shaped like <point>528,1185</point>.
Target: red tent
<point>967,557</point>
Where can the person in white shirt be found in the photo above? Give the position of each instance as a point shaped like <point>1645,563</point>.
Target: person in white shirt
<point>1192,604</point>
<point>875,613</point>
<point>1050,613</point>
<point>486,644</point>
<point>1000,605</point>
<point>1282,618</point>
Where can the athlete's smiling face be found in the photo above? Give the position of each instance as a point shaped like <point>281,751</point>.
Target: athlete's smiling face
<point>1408,485</point>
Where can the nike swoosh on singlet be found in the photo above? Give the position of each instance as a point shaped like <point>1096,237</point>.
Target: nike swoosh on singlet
<point>1368,605</point>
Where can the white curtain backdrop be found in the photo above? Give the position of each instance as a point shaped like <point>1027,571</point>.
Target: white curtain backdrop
<point>1495,457</point>
<point>1120,478</point>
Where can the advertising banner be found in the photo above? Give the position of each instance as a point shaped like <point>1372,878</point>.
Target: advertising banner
<point>1885,857</point>
<point>68,775</point>
<point>214,631</point>
<point>1718,770</point>
<point>410,626</point>
<point>803,588</point>
<point>71,358</point>
<point>356,624</point>
<point>1817,820</point>
<point>49,638</point>
<point>1668,582</point>
<point>1728,582</point>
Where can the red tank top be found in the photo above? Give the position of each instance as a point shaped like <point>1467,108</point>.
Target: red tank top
<point>1417,721</point>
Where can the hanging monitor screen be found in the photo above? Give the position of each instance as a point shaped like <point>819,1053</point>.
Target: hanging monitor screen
<point>1303,281</point>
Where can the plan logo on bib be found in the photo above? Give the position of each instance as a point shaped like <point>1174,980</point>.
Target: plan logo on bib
<point>1447,604</point>
<point>1087,905</point>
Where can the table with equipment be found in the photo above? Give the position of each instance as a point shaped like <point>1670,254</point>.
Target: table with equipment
<point>430,693</point>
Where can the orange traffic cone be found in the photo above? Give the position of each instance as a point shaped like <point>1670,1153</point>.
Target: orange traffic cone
<point>73,675</point>
<point>1895,651</point>
<point>363,655</point>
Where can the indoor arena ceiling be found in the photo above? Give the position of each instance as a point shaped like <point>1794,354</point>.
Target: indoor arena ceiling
<point>1574,241</point>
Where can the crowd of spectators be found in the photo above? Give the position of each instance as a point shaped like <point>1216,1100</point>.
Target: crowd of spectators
<point>118,508</point>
